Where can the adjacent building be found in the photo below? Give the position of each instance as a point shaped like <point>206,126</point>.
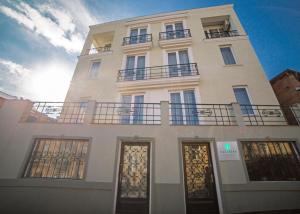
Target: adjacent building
<point>286,86</point>
<point>167,113</point>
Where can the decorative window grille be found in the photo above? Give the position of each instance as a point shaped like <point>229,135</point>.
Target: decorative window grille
<point>272,161</point>
<point>57,158</point>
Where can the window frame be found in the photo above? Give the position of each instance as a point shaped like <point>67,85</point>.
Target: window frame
<point>197,101</point>
<point>26,168</point>
<point>90,76</point>
<point>132,105</point>
<point>249,97</point>
<point>232,52</point>
<point>147,61</point>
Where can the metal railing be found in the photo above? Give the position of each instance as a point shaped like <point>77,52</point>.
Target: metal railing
<point>212,35</point>
<point>264,115</point>
<point>201,114</point>
<point>158,72</point>
<point>98,50</point>
<point>56,112</point>
<point>143,38</point>
<point>175,34</point>
<point>127,113</point>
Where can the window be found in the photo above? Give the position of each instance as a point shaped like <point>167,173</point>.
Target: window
<point>227,56</point>
<point>132,109</point>
<point>242,98</point>
<point>94,70</point>
<point>184,108</point>
<point>272,161</point>
<point>175,30</point>
<point>179,63</point>
<point>135,68</point>
<point>138,35</point>
<point>57,158</point>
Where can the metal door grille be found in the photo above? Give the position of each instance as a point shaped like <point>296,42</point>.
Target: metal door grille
<point>199,179</point>
<point>134,172</point>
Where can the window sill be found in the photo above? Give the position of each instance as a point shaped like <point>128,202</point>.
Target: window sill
<point>233,65</point>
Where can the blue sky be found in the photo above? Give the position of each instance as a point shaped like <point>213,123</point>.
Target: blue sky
<point>41,39</point>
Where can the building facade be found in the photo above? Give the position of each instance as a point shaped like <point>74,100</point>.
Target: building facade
<point>168,113</point>
<point>286,86</point>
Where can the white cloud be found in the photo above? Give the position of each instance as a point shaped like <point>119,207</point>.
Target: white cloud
<point>44,81</point>
<point>60,31</point>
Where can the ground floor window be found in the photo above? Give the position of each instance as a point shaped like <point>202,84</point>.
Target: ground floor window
<point>57,158</point>
<point>271,161</point>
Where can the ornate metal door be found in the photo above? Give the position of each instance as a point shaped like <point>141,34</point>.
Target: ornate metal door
<point>200,192</point>
<point>134,175</point>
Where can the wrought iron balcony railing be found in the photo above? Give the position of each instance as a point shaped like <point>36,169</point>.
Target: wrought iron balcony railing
<point>264,115</point>
<point>143,38</point>
<point>158,72</point>
<point>57,112</point>
<point>201,114</point>
<point>212,35</point>
<point>98,50</point>
<point>128,113</point>
<point>175,34</point>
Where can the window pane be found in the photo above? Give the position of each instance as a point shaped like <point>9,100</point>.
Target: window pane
<point>269,161</point>
<point>184,63</point>
<point>172,61</point>
<point>133,36</point>
<point>179,30</point>
<point>53,158</point>
<point>129,72</point>
<point>140,71</point>
<point>242,98</point>
<point>191,113</point>
<point>94,69</point>
<point>176,109</point>
<point>138,109</point>
<point>143,36</point>
<point>227,56</point>
<point>125,109</point>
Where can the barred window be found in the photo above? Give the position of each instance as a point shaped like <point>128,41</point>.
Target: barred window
<point>272,161</point>
<point>57,158</point>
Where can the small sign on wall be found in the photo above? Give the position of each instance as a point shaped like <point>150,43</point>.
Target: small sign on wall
<point>228,150</point>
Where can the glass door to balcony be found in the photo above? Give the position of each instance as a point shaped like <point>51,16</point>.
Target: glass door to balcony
<point>134,179</point>
<point>135,68</point>
<point>200,190</point>
<point>132,109</point>
<point>184,108</point>
<point>179,63</point>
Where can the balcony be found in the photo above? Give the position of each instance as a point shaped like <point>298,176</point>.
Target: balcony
<point>158,76</point>
<point>220,34</point>
<point>174,114</point>
<point>100,43</point>
<point>137,43</point>
<point>219,27</point>
<point>175,38</point>
<point>98,50</point>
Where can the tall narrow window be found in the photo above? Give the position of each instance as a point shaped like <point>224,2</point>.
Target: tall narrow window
<point>125,109</point>
<point>135,68</point>
<point>227,56</point>
<point>183,108</point>
<point>179,63</point>
<point>191,113</point>
<point>176,109</point>
<point>94,70</point>
<point>132,109</point>
<point>242,98</point>
<point>138,109</point>
<point>58,158</point>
